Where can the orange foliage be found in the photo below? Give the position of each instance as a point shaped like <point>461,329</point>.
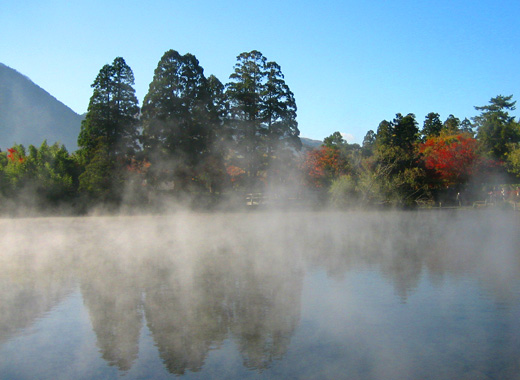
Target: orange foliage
<point>14,156</point>
<point>452,158</point>
<point>323,165</point>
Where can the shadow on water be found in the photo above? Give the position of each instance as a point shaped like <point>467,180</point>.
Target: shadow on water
<point>199,280</point>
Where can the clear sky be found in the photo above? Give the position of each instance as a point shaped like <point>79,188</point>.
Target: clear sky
<point>350,64</point>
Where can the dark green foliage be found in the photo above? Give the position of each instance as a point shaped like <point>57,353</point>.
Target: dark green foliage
<point>263,112</point>
<point>219,102</point>
<point>513,161</point>
<point>245,93</point>
<point>112,112</point>
<point>279,111</point>
<point>432,125</point>
<point>385,132</point>
<point>452,125</point>
<point>350,153</point>
<point>109,134</point>
<point>466,127</point>
<point>496,129</point>
<point>405,131</point>
<point>397,138</point>
<point>183,114</point>
<point>175,109</point>
<point>39,176</point>
<point>198,137</point>
<point>369,141</point>
<point>334,140</point>
<point>98,180</point>
<point>396,158</point>
<point>56,172</point>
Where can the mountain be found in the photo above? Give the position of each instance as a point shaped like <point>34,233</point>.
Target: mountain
<point>30,115</point>
<point>310,144</point>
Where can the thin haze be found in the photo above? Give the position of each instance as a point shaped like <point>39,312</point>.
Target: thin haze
<point>350,64</point>
<point>319,295</point>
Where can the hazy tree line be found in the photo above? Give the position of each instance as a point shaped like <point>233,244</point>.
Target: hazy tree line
<point>193,138</point>
<point>451,162</point>
<point>197,139</point>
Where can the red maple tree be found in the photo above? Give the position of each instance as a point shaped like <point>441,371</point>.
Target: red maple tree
<point>452,158</point>
<point>322,165</point>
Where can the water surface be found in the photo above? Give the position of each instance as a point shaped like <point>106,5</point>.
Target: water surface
<point>300,295</point>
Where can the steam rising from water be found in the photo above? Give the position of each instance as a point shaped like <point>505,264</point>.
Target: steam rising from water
<point>197,281</point>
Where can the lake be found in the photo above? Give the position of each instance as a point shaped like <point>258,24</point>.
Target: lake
<point>254,295</point>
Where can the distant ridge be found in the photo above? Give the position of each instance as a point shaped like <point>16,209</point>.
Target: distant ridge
<point>30,115</point>
<point>310,144</point>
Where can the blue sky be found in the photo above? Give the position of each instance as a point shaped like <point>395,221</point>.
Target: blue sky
<point>350,64</point>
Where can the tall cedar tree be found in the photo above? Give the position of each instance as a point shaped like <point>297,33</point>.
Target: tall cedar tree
<point>110,132</point>
<point>113,112</point>
<point>279,111</point>
<point>179,118</point>
<point>263,112</point>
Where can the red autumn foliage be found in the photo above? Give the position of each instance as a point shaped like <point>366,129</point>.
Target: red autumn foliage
<point>14,156</point>
<point>453,158</point>
<point>323,165</point>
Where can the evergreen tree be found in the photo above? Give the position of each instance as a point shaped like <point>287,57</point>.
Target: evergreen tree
<point>451,125</point>
<point>219,114</point>
<point>279,111</point>
<point>245,96</point>
<point>110,132</point>
<point>263,112</point>
<point>219,102</point>
<point>215,170</point>
<point>395,152</point>
<point>113,112</point>
<point>384,135</point>
<point>432,125</point>
<point>405,131</point>
<point>335,140</point>
<point>467,127</point>
<point>369,141</point>
<point>496,129</point>
<point>179,117</point>
<point>98,180</point>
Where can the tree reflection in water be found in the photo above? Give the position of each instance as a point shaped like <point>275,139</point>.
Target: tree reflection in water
<point>197,280</point>
<point>31,285</point>
<point>195,293</point>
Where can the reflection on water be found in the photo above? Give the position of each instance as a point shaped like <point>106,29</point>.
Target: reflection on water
<point>30,285</point>
<point>297,295</point>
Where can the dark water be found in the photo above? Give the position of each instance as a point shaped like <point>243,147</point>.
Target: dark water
<point>396,295</point>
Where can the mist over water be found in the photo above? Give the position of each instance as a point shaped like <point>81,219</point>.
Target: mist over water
<point>358,295</point>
